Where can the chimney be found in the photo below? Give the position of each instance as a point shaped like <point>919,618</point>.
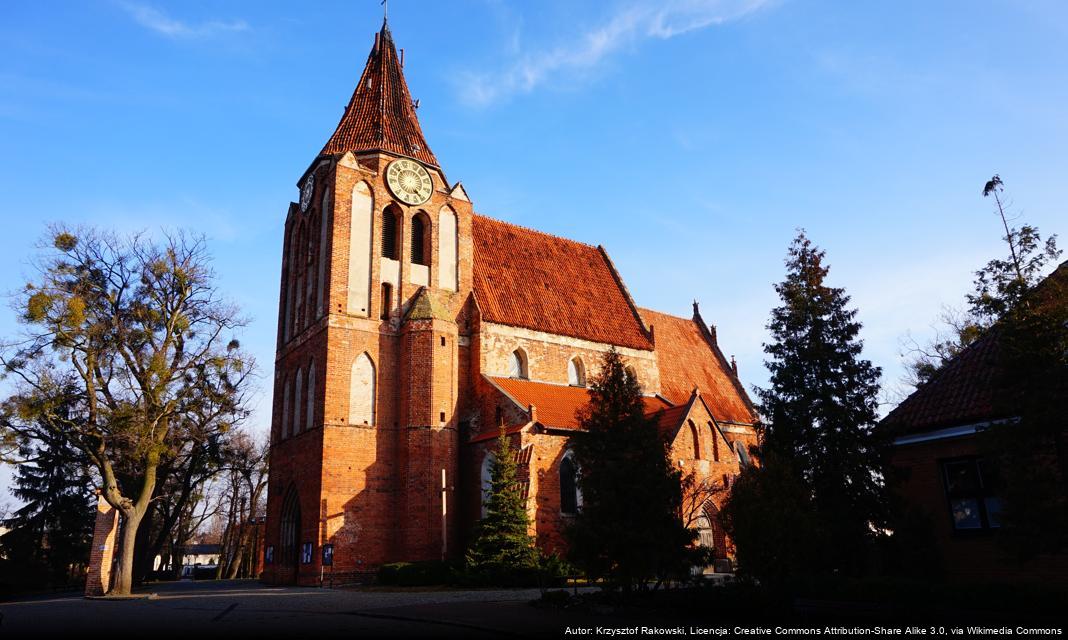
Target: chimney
<point>378,37</point>
<point>533,411</point>
<point>734,366</point>
<point>712,330</point>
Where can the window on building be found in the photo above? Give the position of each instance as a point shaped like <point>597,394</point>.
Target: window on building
<point>387,300</point>
<point>298,385</point>
<point>576,372</point>
<point>715,441</point>
<point>631,373</point>
<point>310,421</point>
<point>570,498</point>
<point>285,408</point>
<point>389,233</point>
<point>420,235</point>
<point>362,391</point>
<point>696,441</point>
<point>706,535</point>
<point>517,365</point>
<point>971,488</point>
<point>743,454</point>
<point>486,479</point>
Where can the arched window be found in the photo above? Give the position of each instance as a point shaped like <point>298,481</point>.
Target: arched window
<point>362,391</point>
<point>631,373</point>
<point>743,454</point>
<point>389,232</point>
<point>486,480</point>
<point>715,441</point>
<point>706,535</point>
<point>447,249</point>
<point>310,421</point>
<point>570,496</point>
<point>285,407</point>
<point>289,538</point>
<point>517,365</point>
<point>576,372</point>
<point>696,441</point>
<point>324,241</point>
<point>298,386</point>
<point>420,239</point>
<point>361,229</point>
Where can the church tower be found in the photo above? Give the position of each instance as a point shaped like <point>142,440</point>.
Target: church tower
<point>372,345</point>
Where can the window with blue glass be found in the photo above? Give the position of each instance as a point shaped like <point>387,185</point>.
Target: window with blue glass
<point>972,490</point>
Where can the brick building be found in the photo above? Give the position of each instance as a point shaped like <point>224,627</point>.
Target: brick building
<point>410,328</point>
<point>948,474</point>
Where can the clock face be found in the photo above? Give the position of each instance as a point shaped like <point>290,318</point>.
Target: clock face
<point>306,192</point>
<point>409,181</point>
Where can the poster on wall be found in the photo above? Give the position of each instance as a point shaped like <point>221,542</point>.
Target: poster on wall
<point>306,553</point>
<point>328,555</point>
<point>268,554</point>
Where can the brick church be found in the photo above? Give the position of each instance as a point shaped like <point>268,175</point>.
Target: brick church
<point>411,328</point>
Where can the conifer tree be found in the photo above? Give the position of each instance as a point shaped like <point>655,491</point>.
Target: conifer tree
<point>821,409</point>
<point>50,534</point>
<point>503,544</point>
<point>629,528</point>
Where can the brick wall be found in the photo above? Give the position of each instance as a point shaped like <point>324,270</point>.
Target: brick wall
<point>102,553</point>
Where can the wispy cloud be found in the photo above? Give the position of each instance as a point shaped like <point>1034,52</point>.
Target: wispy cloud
<point>586,51</point>
<point>157,20</point>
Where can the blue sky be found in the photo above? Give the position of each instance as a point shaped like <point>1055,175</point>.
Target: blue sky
<point>690,137</point>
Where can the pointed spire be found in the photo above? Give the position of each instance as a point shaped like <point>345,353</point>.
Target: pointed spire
<point>380,115</point>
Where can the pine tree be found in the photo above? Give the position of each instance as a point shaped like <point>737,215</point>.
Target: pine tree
<point>821,409</point>
<point>629,529</point>
<point>503,545</point>
<point>50,534</point>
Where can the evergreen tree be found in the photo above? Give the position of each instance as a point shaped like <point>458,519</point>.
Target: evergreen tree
<point>629,529</point>
<point>821,409</point>
<point>503,544</point>
<point>50,535</point>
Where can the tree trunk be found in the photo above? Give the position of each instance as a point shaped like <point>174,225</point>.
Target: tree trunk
<point>123,584</point>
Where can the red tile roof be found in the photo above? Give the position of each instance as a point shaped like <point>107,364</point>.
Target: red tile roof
<point>961,393</point>
<point>380,115</point>
<point>687,359</point>
<point>668,420</point>
<point>525,278</point>
<point>555,404</point>
<point>965,391</point>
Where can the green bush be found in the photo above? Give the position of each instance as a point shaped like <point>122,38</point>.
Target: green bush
<point>416,574</point>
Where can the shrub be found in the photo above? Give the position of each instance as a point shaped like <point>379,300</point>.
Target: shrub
<point>416,574</point>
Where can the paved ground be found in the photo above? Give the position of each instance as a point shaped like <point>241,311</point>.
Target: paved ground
<point>241,608</point>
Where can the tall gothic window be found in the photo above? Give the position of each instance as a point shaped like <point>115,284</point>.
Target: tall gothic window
<point>310,421</point>
<point>517,365</point>
<point>486,477</point>
<point>389,233</point>
<point>285,407</point>
<point>362,391</point>
<point>696,441</point>
<point>298,384</point>
<point>570,498</point>
<point>420,233</point>
<point>715,441</point>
